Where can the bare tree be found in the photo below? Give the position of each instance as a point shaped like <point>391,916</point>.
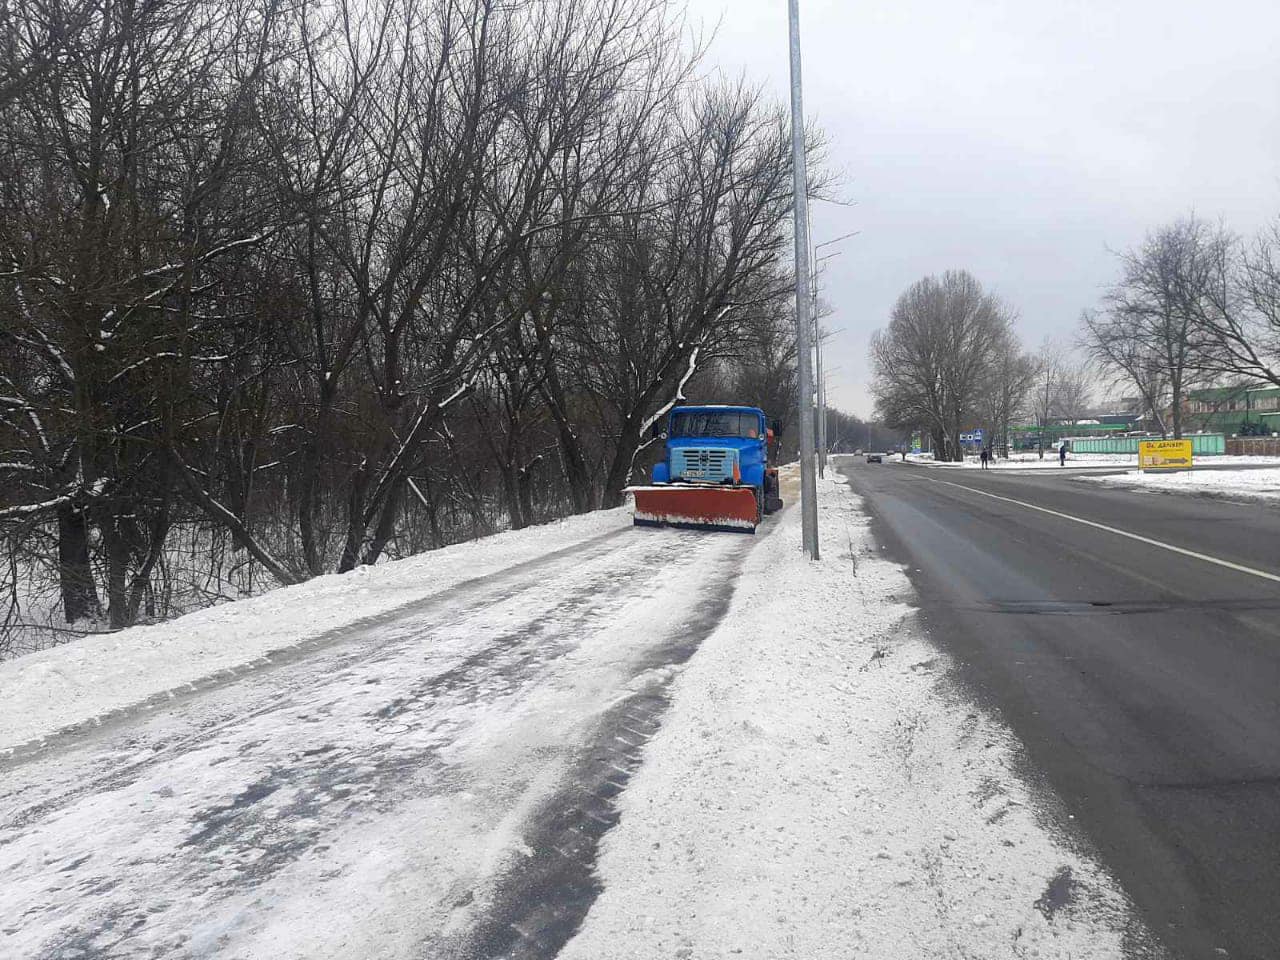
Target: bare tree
<point>1151,330</point>
<point>1231,293</point>
<point>36,40</point>
<point>933,362</point>
<point>1010,378</point>
<point>1076,386</point>
<point>666,288</point>
<point>1049,367</point>
<point>134,128</point>
<point>290,288</point>
<point>1133,362</point>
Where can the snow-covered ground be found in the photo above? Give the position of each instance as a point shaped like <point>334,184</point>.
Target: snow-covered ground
<point>45,691</point>
<point>1031,461</point>
<point>649,744</point>
<point>370,797</point>
<point>1024,461</point>
<point>820,789</point>
<point>1251,485</point>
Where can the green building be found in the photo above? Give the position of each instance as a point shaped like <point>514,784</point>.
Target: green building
<point>1240,410</point>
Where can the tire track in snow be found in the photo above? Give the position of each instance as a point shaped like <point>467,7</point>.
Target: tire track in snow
<point>540,902</point>
<point>330,756</point>
<point>487,589</point>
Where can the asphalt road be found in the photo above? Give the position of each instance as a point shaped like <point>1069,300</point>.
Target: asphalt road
<point>1144,682</point>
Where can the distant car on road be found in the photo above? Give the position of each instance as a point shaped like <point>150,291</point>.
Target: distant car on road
<point>874,457</point>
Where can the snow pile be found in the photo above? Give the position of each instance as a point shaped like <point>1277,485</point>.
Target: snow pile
<point>1029,461</point>
<point>1261,485</point>
<point>820,790</point>
<point>1032,461</point>
<point>45,691</point>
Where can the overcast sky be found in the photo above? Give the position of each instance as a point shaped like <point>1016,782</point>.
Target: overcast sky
<point>1017,139</point>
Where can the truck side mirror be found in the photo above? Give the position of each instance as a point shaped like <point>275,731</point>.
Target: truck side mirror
<point>656,431</point>
<point>776,427</point>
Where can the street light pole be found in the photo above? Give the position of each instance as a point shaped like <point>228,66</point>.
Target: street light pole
<point>822,396</point>
<point>800,188</point>
<point>817,355</point>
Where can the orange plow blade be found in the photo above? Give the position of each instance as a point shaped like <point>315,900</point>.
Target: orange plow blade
<point>696,507</point>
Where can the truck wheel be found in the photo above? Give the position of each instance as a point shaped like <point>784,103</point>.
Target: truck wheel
<point>772,502</point>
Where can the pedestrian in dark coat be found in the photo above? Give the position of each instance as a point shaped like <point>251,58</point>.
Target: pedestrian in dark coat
<point>1062,454</point>
<point>984,457</point>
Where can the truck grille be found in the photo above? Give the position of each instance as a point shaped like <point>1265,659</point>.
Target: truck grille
<point>702,463</point>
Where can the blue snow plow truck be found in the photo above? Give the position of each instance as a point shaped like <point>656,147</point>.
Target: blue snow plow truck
<point>717,474</point>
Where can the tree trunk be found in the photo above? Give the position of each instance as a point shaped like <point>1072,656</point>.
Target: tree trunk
<point>355,521</point>
<point>576,474</point>
<point>141,583</point>
<point>117,550</point>
<point>79,595</point>
<point>1176,412</point>
<point>511,497</point>
<point>620,468</point>
<point>309,487</point>
<point>386,527</point>
<point>525,483</point>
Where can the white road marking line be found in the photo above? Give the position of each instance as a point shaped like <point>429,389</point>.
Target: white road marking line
<point>1241,568</point>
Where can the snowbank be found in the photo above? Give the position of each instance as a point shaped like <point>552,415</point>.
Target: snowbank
<point>1031,461</point>
<point>45,691</point>
<point>819,789</point>
<point>1261,485</point>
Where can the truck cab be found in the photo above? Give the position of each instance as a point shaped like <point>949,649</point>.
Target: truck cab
<point>722,446</point>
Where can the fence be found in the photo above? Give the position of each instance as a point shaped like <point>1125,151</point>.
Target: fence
<point>1202,444</point>
<point>1254,447</point>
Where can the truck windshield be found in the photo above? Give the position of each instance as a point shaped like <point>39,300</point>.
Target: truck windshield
<point>717,423</point>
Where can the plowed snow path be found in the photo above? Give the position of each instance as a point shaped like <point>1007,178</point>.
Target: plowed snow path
<point>402,791</point>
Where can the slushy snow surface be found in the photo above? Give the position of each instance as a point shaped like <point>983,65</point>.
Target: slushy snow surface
<point>816,788</point>
<point>364,798</point>
<point>45,691</point>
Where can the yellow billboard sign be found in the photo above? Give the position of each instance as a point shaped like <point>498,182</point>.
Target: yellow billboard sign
<point>1164,455</point>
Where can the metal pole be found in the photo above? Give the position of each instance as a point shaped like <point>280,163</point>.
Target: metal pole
<point>822,405</point>
<point>817,354</point>
<point>822,401</point>
<point>800,188</point>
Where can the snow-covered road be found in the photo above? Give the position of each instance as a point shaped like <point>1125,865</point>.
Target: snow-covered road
<point>433,786</point>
